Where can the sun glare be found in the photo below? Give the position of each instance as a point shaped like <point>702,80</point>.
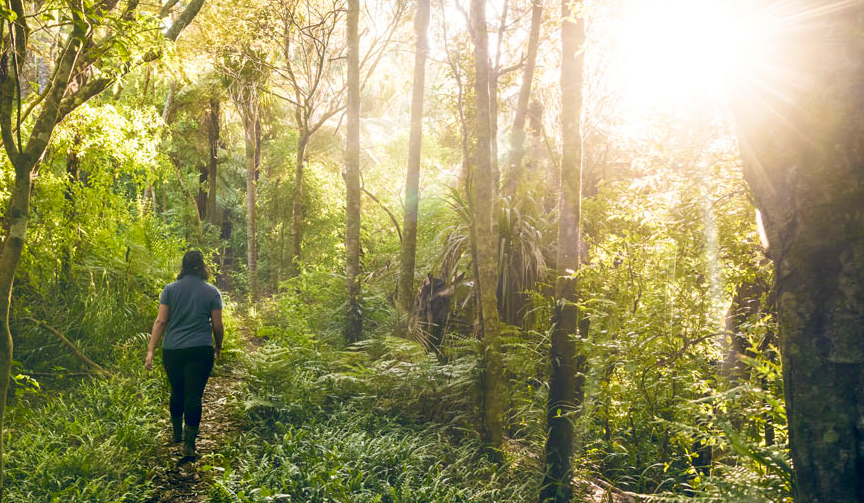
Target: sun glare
<point>674,53</point>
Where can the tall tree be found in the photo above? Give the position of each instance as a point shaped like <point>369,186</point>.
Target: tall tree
<point>353,320</point>
<point>310,55</point>
<point>802,142</point>
<point>517,134</point>
<point>486,283</point>
<point>405,294</point>
<point>246,78</point>
<point>565,389</point>
<point>96,49</point>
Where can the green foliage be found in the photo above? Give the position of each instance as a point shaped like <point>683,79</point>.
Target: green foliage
<point>95,442</point>
<point>102,255</point>
<point>325,425</point>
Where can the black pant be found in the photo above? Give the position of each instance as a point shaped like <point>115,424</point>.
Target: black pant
<point>188,370</point>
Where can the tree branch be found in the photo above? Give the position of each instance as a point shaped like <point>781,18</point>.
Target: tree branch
<point>72,347</point>
<point>184,19</point>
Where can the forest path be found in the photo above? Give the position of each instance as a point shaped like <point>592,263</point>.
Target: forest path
<point>181,483</point>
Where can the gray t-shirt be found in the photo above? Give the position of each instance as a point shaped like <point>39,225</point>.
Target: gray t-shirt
<point>190,301</point>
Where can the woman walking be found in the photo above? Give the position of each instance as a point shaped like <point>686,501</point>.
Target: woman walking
<point>190,309</point>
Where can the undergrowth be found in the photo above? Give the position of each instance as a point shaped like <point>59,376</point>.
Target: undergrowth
<point>382,421</point>
<point>92,442</point>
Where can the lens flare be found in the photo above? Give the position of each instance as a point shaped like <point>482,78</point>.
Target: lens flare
<point>674,53</point>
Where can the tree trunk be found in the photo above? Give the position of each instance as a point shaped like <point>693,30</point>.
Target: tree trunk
<point>494,74</point>
<point>565,389</point>
<point>249,125</point>
<point>213,143</point>
<point>203,181</point>
<point>297,204</point>
<point>405,294</point>
<point>169,102</point>
<point>13,245</point>
<point>517,135</point>
<point>492,391</point>
<point>803,151</point>
<point>353,321</point>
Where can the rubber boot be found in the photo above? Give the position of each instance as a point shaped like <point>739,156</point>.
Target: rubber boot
<point>189,442</point>
<point>177,425</point>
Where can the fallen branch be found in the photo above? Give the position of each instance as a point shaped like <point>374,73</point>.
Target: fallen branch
<point>57,374</point>
<point>72,347</point>
<point>389,213</point>
<point>620,493</point>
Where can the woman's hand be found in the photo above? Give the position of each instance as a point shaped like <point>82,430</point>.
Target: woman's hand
<point>148,362</point>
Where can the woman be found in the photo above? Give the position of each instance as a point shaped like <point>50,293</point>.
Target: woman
<point>190,309</point>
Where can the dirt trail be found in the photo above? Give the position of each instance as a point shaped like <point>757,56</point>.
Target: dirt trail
<point>181,483</point>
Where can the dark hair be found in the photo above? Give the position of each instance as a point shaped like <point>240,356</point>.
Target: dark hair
<point>193,263</point>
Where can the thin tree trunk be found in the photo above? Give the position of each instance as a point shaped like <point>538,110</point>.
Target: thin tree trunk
<point>565,390</point>
<point>517,135</point>
<point>487,282</point>
<point>169,102</point>
<point>250,124</point>
<point>297,204</point>
<point>494,74</point>
<point>213,140</point>
<point>405,294</point>
<point>803,149</point>
<point>353,321</point>
<point>203,181</point>
<point>257,143</point>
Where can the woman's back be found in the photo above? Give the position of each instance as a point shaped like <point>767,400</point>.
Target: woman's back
<point>190,300</point>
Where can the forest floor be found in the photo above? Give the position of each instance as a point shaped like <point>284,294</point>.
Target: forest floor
<point>181,480</point>
<point>178,480</point>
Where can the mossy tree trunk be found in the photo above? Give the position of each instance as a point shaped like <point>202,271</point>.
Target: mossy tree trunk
<point>492,392</point>
<point>565,384</point>
<point>803,148</point>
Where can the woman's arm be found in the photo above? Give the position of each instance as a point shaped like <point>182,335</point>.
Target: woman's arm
<point>218,330</point>
<point>159,326</point>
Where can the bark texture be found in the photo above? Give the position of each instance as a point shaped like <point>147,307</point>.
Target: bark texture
<point>405,294</point>
<point>486,240</point>
<point>565,389</point>
<point>353,320</point>
<point>803,150</point>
